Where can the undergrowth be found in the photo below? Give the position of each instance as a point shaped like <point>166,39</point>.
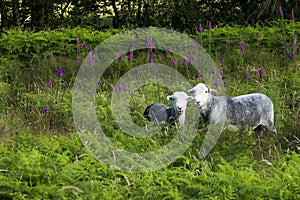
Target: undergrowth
<point>56,167</point>
<point>42,157</point>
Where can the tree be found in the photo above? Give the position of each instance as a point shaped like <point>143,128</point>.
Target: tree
<point>3,13</point>
<point>182,15</point>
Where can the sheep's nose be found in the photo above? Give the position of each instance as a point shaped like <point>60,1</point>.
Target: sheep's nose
<point>197,102</point>
<point>180,109</point>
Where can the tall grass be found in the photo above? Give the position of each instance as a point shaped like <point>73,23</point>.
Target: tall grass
<point>42,157</point>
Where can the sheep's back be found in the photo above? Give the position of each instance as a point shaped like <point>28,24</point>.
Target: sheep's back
<point>157,112</point>
<point>251,109</point>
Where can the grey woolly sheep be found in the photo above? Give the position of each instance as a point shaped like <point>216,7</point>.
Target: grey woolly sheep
<point>255,110</point>
<point>158,112</point>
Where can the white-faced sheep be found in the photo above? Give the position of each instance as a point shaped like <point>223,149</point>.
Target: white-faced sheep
<point>158,112</point>
<point>255,110</point>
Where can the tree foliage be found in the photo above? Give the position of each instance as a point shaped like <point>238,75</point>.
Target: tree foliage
<point>182,15</point>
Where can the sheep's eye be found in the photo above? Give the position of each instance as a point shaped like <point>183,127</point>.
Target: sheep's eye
<point>206,91</point>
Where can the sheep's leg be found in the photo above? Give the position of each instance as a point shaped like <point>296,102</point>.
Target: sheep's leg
<point>259,131</point>
<point>259,148</point>
<point>259,134</point>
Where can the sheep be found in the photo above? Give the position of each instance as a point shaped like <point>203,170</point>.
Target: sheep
<point>158,112</point>
<point>254,110</point>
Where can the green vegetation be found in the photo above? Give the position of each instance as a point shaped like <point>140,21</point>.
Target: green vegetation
<point>40,167</point>
<point>42,157</point>
<point>181,15</point>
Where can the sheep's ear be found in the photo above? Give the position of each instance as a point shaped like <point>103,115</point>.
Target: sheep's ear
<point>191,90</point>
<point>170,98</point>
<point>211,90</point>
<point>189,98</point>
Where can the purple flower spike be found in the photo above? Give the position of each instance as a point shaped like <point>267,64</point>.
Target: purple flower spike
<point>257,33</point>
<point>197,75</point>
<point>130,56</point>
<point>120,58</point>
<point>78,49</point>
<point>243,47</point>
<point>280,11</point>
<point>121,87</point>
<point>261,73</point>
<point>41,88</point>
<point>51,54</point>
<point>46,108</point>
<point>214,71</point>
<point>200,29</point>
<point>111,73</point>
<point>184,60</point>
<point>241,38</point>
<point>91,61</point>
<point>247,76</point>
<point>151,58</point>
<point>218,81</point>
<point>223,66</point>
<point>292,56</point>
<point>50,84</point>
<point>84,45</point>
<point>226,48</point>
<point>243,55</point>
<point>293,16</point>
<point>60,72</point>
<point>209,27</point>
<point>220,74</point>
<point>77,39</point>
<point>174,61</point>
<point>149,43</point>
<point>223,63</point>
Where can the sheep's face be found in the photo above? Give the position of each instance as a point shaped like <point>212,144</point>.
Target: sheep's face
<point>179,101</point>
<point>202,94</point>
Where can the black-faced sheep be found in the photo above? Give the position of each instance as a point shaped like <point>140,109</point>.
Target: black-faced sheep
<point>158,112</point>
<point>255,110</point>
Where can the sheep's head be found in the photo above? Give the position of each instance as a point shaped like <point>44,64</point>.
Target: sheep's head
<point>179,100</point>
<point>202,94</point>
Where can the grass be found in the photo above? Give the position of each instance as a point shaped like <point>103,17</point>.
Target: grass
<point>39,166</point>
<point>42,156</point>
